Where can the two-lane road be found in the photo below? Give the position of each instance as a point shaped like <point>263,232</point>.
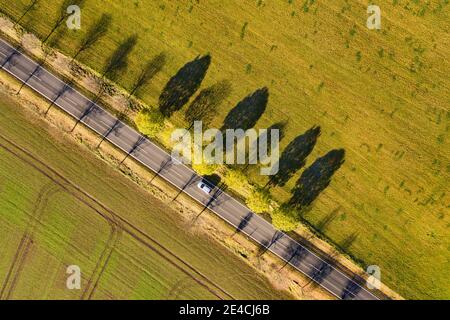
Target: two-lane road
<point>151,156</point>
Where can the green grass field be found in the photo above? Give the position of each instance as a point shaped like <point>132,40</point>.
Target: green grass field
<point>47,225</point>
<point>69,233</point>
<point>383,96</point>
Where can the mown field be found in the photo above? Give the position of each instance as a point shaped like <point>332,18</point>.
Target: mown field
<point>47,230</point>
<point>383,96</point>
<point>47,225</point>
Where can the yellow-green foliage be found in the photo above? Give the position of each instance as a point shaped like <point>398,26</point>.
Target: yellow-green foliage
<point>149,121</point>
<point>73,232</point>
<point>380,95</point>
<point>284,219</point>
<point>204,168</point>
<point>258,200</point>
<point>238,181</point>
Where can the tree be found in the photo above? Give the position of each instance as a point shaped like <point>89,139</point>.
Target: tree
<point>94,34</point>
<point>182,86</point>
<point>237,180</point>
<point>204,169</point>
<point>207,166</point>
<point>285,219</point>
<point>281,127</point>
<point>258,201</point>
<point>149,121</point>
<point>204,107</point>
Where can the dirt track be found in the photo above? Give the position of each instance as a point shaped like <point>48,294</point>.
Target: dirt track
<point>26,243</point>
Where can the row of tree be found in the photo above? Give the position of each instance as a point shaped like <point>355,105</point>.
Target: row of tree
<point>116,64</point>
<point>180,89</point>
<point>183,85</point>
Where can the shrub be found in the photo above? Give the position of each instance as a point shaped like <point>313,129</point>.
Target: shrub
<point>285,219</point>
<point>204,169</point>
<point>259,200</point>
<point>237,181</point>
<point>149,121</point>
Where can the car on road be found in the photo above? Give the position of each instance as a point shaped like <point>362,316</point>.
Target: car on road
<point>205,186</point>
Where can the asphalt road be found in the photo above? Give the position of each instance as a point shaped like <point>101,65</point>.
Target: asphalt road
<point>150,155</point>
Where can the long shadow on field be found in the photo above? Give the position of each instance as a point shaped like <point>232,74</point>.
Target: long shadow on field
<point>316,178</point>
<point>347,242</point>
<point>204,107</point>
<point>118,61</point>
<point>148,72</point>
<point>27,15</point>
<point>294,156</point>
<point>248,111</point>
<point>326,221</point>
<point>182,86</point>
<point>280,126</point>
<point>94,33</point>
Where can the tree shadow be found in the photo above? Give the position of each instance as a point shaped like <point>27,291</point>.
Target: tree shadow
<point>327,220</point>
<point>248,111</point>
<point>204,107</point>
<point>348,242</point>
<point>322,272</point>
<point>214,179</point>
<point>244,222</point>
<point>182,86</point>
<point>66,88</point>
<point>275,238</point>
<point>214,201</point>
<point>352,288</point>
<point>94,34</point>
<point>31,7</point>
<point>118,61</point>
<point>295,253</point>
<point>165,164</point>
<point>280,126</point>
<point>294,156</point>
<point>318,275</point>
<point>29,20</point>
<point>114,129</point>
<point>148,72</point>
<point>316,178</point>
<point>135,148</point>
<point>217,199</point>
<point>62,16</point>
<point>262,247</point>
<point>192,179</point>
